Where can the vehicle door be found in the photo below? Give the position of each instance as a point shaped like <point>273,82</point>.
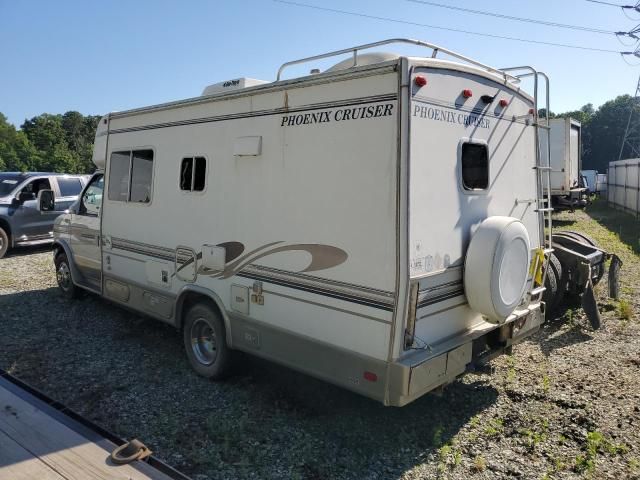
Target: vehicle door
<point>68,190</point>
<point>85,233</point>
<point>29,223</point>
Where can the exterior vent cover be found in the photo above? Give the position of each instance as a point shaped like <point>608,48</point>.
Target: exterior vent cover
<point>229,85</point>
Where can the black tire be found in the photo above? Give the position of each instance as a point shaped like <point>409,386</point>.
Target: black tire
<point>4,242</point>
<point>63,276</point>
<point>554,292</point>
<point>205,342</point>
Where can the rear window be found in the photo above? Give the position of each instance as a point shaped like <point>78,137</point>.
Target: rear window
<point>475,166</point>
<point>8,183</point>
<point>69,187</point>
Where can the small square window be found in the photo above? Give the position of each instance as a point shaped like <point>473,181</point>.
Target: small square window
<point>475,166</point>
<point>193,174</point>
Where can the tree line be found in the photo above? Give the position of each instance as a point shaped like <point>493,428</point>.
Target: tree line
<point>64,143</point>
<point>603,130</point>
<point>49,143</point>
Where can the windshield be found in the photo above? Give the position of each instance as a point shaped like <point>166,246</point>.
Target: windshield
<point>8,182</point>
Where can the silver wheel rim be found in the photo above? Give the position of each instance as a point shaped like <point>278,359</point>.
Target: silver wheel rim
<point>63,275</point>
<point>203,342</point>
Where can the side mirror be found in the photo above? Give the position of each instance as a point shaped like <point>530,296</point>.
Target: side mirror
<point>26,196</point>
<point>46,201</point>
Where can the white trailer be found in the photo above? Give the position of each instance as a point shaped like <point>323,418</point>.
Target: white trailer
<point>565,138</point>
<point>379,225</point>
<point>623,188</point>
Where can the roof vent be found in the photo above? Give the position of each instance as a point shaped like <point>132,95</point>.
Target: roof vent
<point>229,85</point>
<point>364,59</point>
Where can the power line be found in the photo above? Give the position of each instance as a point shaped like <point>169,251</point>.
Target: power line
<point>468,32</point>
<point>518,19</point>
<point>632,7</point>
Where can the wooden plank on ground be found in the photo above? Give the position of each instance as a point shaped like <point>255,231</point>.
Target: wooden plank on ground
<point>65,451</point>
<point>16,463</point>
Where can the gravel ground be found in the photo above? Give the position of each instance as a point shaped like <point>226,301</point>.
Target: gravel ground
<point>566,404</point>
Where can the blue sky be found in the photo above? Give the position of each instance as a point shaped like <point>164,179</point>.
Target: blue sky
<point>97,57</point>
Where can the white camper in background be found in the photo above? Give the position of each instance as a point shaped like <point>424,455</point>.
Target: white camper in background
<point>379,225</point>
<point>565,137</point>
<point>589,180</point>
<point>601,183</point>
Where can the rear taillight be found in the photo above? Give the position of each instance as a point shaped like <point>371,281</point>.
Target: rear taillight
<point>370,376</point>
<point>420,80</point>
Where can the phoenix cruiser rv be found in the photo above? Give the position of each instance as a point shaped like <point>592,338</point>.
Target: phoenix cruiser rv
<point>379,225</point>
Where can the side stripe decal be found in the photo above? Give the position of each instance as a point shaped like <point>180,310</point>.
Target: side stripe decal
<point>261,113</point>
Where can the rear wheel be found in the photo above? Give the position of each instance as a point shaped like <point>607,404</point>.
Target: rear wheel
<point>4,242</point>
<point>554,289</point>
<point>205,342</point>
<point>63,276</point>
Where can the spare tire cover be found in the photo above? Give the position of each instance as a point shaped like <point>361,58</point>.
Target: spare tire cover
<point>497,267</point>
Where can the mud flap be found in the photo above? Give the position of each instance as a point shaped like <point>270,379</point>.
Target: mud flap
<point>590,306</point>
<point>614,274</point>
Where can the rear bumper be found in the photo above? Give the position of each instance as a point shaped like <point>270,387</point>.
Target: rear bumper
<point>425,370</point>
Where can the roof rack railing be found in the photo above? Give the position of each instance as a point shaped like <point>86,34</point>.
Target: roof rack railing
<point>435,50</point>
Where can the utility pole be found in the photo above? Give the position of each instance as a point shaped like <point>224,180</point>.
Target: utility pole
<point>632,132</point>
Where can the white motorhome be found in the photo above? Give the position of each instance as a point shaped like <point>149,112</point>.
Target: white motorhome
<point>379,225</point>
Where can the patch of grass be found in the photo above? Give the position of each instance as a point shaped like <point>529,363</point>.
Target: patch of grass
<point>535,436</point>
<point>584,464</point>
<point>625,310</point>
<point>495,427</point>
<point>475,421</point>
<point>444,452</point>
<point>511,370</point>
<point>436,439</point>
<point>559,465</point>
<point>546,383</point>
<point>479,464</point>
<point>450,456</point>
<point>597,443</point>
<point>623,226</point>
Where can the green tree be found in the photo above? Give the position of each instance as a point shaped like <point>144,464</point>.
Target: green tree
<point>63,143</point>
<point>606,129</point>
<point>16,151</point>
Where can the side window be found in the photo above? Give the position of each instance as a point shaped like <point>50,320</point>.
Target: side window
<point>130,176</point>
<point>193,174</point>
<point>69,187</point>
<point>92,197</point>
<point>31,189</point>
<point>119,176</point>
<point>475,166</point>
<point>141,170</point>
